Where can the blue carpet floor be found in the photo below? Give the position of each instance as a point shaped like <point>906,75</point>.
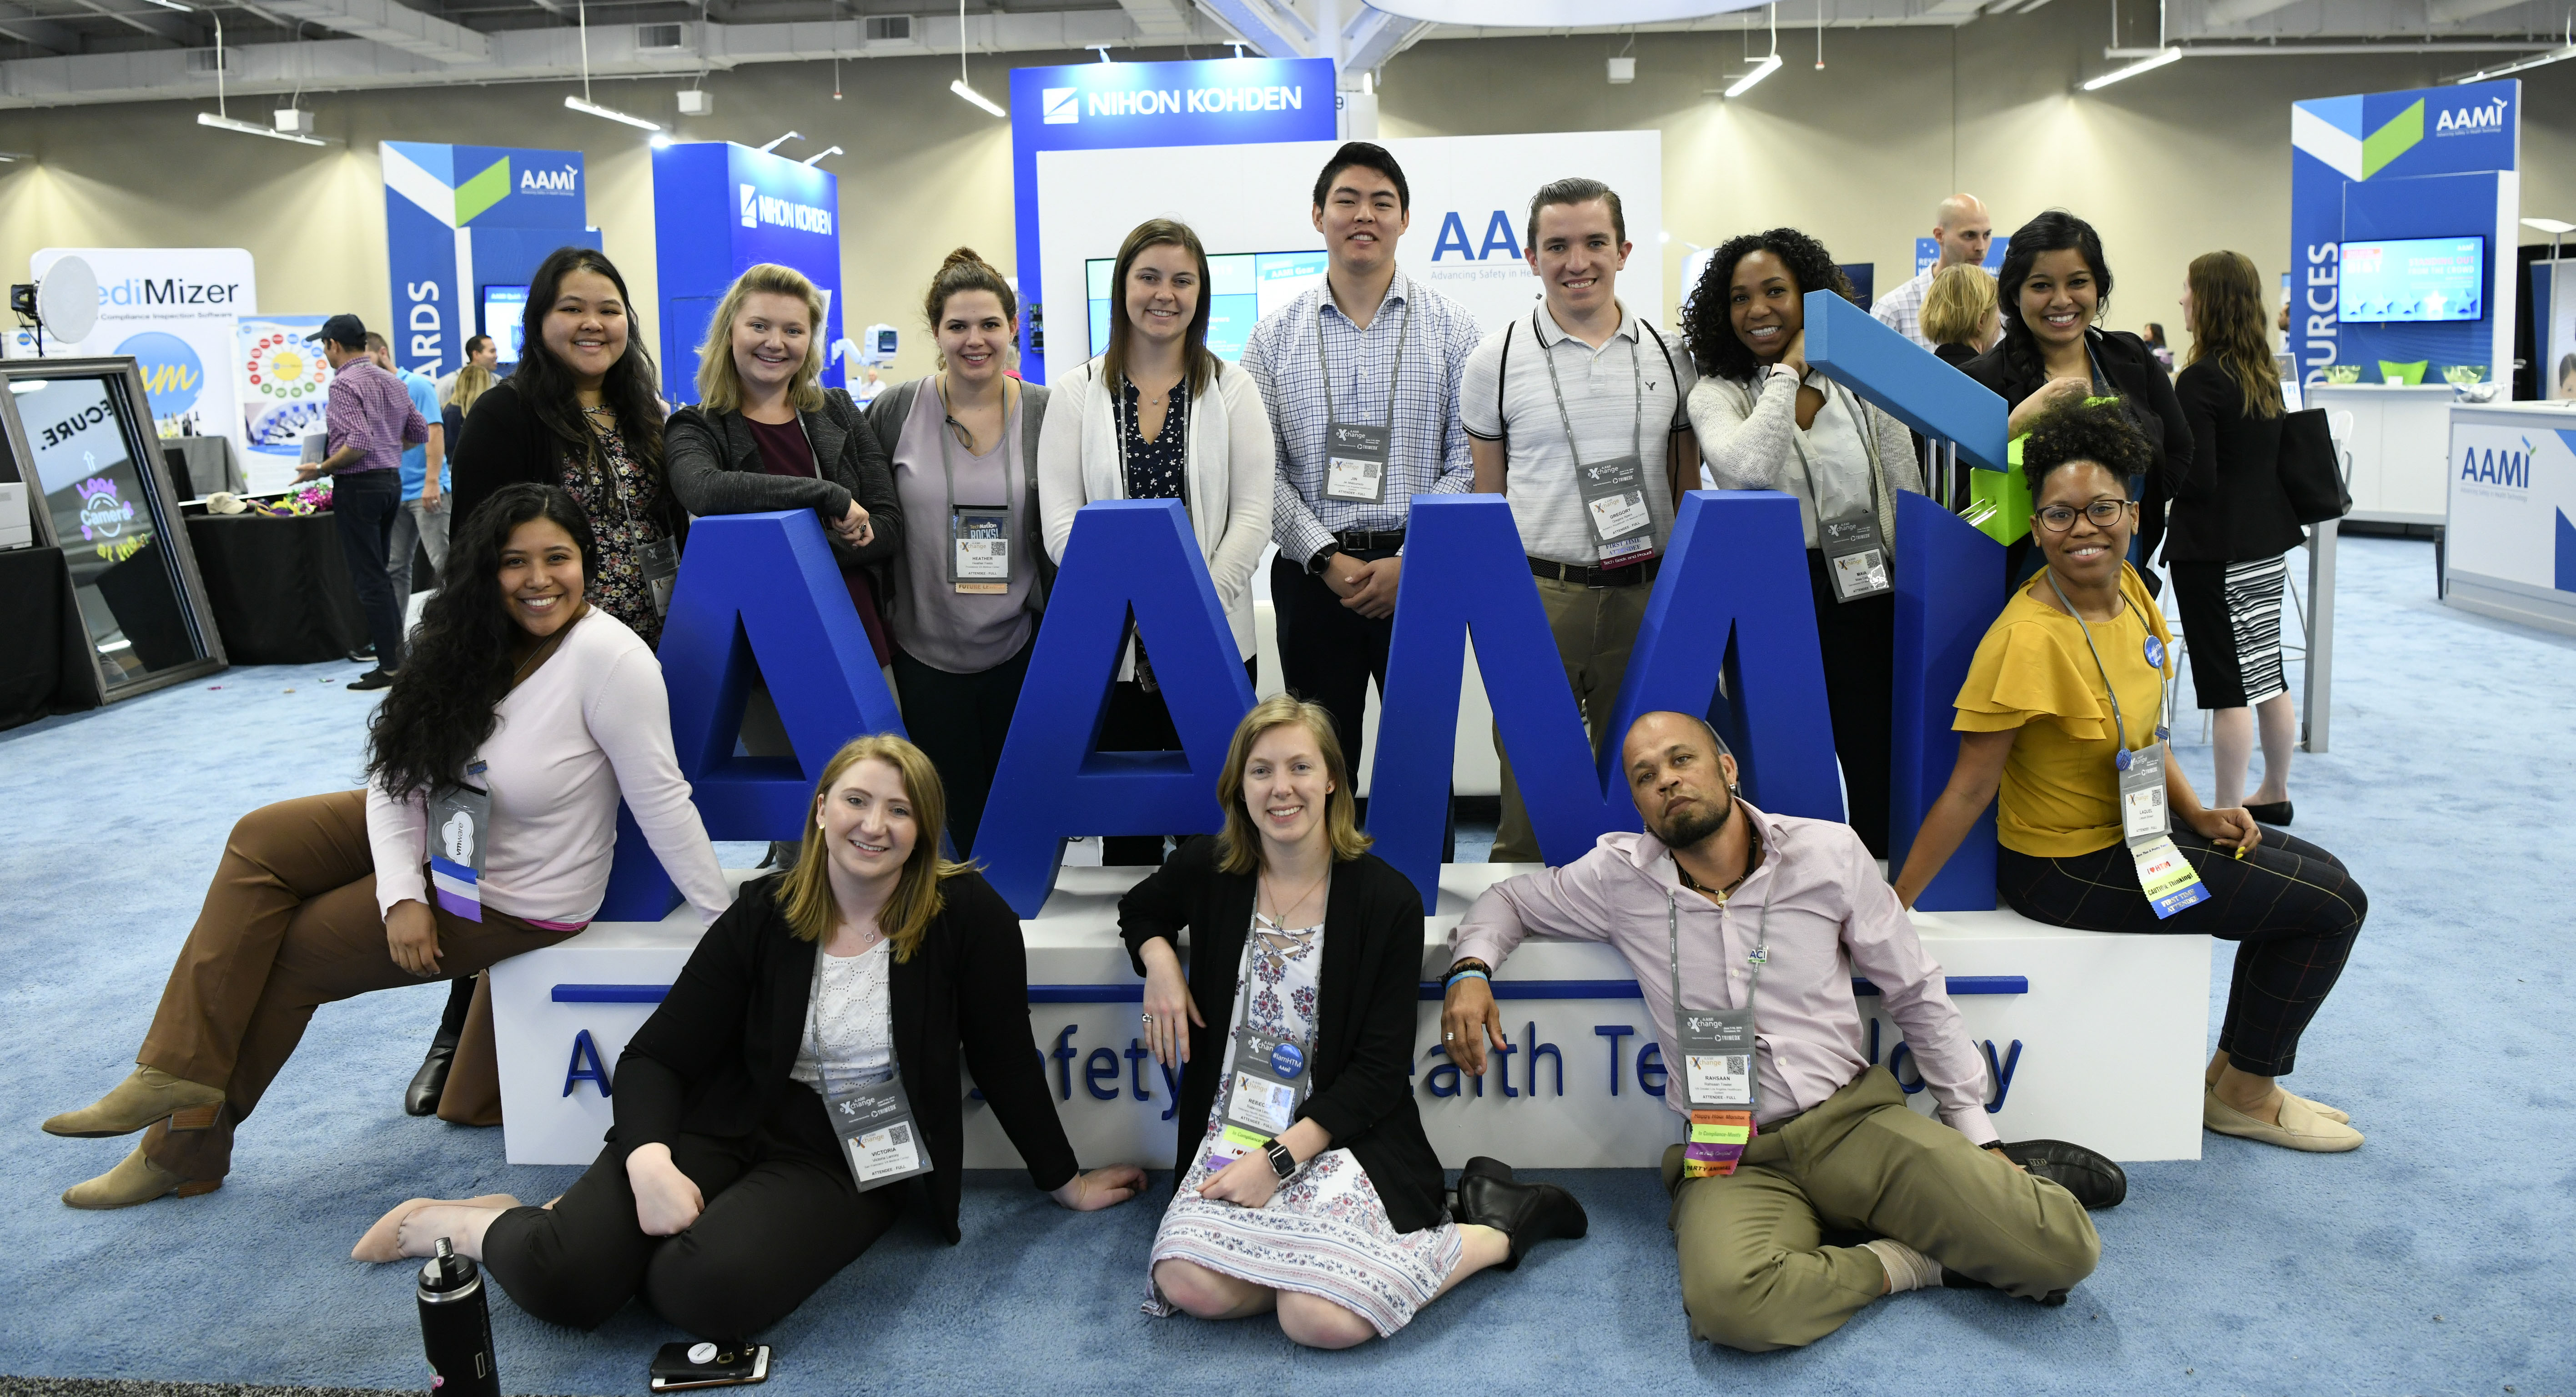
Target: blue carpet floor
<point>2434,1260</point>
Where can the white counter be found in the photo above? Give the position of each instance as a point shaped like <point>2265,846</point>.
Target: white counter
<point>2398,443</point>
<point>2510,550</point>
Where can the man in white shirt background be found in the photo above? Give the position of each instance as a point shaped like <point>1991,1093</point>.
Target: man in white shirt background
<point>1961,227</point>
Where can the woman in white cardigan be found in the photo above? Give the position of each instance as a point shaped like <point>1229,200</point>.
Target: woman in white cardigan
<point>1766,421</point>
<point>1159,417</point>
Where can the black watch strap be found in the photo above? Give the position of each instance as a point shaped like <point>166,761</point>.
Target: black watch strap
<point>1282,1163</point>
<point>1323,555</point>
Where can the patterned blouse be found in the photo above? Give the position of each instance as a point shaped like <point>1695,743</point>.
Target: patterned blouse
<point>624,499</point>
<point>1154,468</point>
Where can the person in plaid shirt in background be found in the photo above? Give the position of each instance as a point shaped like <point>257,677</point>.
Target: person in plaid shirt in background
<point>371,419</point>
<point>1961,227</point>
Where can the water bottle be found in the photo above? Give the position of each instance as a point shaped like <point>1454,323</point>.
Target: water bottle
<point>456,1326</point>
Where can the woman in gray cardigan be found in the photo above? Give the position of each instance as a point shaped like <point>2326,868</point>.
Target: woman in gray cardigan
<point>971,579</point>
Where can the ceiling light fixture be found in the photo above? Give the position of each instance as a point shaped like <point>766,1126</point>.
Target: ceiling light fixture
<point>961,87</point>
<point>2143,65</point>
<point>1766,67</point>
<point>823,154</point>
<point>2519,65</point>
<point>175,5</point>
<point>583,103</point>
<point>221,119</point>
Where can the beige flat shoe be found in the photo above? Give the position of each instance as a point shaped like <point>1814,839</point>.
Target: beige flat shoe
<point>146,1095</point>
<point>2301,1126</point>
<point>383,1241</point>
<point>134,1180</point>
<point>2321,1108</point>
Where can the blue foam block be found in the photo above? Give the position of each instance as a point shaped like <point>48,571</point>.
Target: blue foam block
<point>1949,588</point>
<point>1912,386</point>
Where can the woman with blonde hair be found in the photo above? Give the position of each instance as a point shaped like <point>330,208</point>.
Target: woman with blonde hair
<point>1304,1183</point>
<point>867,974</point>
<point>2232,529</point>
<point>1959,314</point>
<point>1158,416</point>
<point>766,435</point>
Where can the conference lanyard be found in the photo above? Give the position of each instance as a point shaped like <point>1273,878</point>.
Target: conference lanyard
<point>1855,553</point>
<point>873,1119</point>
<point>1124,423</point>
<point>1356,453</point>
<point>1717,1050</point>
<point>2145,823</point>
<point>658,559</point>
<point>460,828</point>
<point>979,536</point>
<point>1267,1073</point>
<point>1613,491</point>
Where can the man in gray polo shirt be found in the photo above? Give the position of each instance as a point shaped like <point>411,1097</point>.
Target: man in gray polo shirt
<point>1574,416</point>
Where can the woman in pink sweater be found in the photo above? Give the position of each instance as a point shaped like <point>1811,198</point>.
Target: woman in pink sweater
<point>495,768</point>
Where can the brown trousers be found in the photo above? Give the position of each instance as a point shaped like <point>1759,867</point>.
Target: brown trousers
<point>289,924</point>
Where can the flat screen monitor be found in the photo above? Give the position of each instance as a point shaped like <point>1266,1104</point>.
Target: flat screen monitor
<point>503,307</point>
<point>1242,288</point>
<point>2413,279</point>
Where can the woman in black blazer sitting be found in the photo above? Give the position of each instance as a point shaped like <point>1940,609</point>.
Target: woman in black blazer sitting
<point>2053,286</point>
<point>1304,1185</point>
<point>724,1197</point>
<point>2232,529</point>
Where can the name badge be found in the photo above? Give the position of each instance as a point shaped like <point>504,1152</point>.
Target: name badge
<point>878,1136</point>
<point>1854,558</point>
<point>1717,1076</point>
<point>2167,877</point>
<point>460,824</point>
<point>1614,501</point>
<point>979,553</point>
<point>1355,455</point>
<point>661,562</point>
<point>1268,1079</point>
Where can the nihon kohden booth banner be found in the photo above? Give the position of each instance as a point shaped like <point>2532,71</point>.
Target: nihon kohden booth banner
<point>719,208</point>
<point>465,227</point>
<point>2404,210</point>
<point>173,309</point>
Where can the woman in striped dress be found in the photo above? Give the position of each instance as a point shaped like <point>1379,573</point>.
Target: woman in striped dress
<point>2231,528</point>
<point>1305,1185</point>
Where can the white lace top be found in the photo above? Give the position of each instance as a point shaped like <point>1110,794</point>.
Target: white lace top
<point>850,1015</point>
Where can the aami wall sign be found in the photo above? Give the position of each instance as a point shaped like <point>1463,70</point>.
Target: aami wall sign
<point>719,208</point>
<point>461,219</point>
<point>1097,106</point>
<point>2404,175</point>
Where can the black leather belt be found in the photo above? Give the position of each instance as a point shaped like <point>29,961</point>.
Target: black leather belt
<point>1628,575</point>
<point>1369,540</point>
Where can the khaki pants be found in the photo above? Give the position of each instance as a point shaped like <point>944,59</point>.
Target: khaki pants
<point>1595,628</point>
<point>289,924</point>
<point>1755,1275</point>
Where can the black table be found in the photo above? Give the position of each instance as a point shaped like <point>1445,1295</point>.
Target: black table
<point>39,639</point>
<point>280,587</point>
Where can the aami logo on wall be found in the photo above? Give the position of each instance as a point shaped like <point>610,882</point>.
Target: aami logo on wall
<point>2509,469</point>
<point>564,181</point>
<point>2486,119</point>
<point>757,208</point>
<point>1060,105</point>
<point>1500,237</point>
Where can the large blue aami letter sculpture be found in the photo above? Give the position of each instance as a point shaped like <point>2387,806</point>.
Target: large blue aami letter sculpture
<point>764,586</point>
<point>1736,568</point>
<point>1949,589</point>
<point>1124,555</point>
<point>1918,389</point>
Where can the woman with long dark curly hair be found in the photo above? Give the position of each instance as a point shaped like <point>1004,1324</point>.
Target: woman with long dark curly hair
<point>2053,288</point>
<point>582,412</point>
<point>1766,421</point>
<point>494,768</point>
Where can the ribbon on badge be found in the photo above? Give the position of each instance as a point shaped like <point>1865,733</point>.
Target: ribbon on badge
<point>1716,1143</point>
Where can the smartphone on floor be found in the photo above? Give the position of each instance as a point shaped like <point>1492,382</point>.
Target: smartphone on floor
<point>679,1367</point>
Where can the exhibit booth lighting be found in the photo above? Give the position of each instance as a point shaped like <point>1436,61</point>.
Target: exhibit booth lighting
<point>221,117</point>
<point>819,156</point>
<point>1770,63</point>
<point>2144,65</point>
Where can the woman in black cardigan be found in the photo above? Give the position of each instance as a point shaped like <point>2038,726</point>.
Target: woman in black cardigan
<point>2053,285</point>
<point>2232,527</point>
<point>724,1197</point>
<point>1312,1190</point>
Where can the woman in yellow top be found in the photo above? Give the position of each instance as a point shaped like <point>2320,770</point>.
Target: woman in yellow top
<point>2060,713</point>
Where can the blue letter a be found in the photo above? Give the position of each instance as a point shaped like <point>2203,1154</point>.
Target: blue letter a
<point>765,585</point>
<point>1949,589</point>
<point>1453,238</point>
<point>1124,555</point>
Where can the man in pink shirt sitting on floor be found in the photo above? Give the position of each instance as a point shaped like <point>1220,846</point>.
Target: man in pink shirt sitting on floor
<point>1756,924</point>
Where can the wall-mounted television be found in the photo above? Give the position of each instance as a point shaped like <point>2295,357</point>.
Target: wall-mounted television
<point>2413,279</point>
<point>503,309</point>
<point>1242,288</point>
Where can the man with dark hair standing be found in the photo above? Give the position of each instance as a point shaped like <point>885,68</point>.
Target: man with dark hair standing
<point>1360,377</point>
<point>479,349</point>
<point>371,419</point>
<point>1745,929</point>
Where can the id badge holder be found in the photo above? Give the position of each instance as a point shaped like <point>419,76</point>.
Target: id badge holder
<point>460,827</point>
<point>1854,558</point>
<point>661,562</point>
<point>1717,1075</point>
<point>1270,1081</point>
<point>979,550</point>
<point>1355,455</point>
<point>2147,826</point>
<point>1614,502</point>
<point>878,1136</point>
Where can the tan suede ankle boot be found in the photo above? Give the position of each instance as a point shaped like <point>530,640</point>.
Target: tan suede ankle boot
<point>148,1095</point>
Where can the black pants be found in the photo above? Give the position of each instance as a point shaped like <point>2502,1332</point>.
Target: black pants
<point>1138,720</point>
<point>959,721</point>
<point>365,503</point>
<point>2292,908</point>
<point>782,1217</point>
<point>1859,640</point>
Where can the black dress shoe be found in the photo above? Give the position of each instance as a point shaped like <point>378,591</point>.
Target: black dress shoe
<point>363,653</point>
<point>430,1082</point>
<point>1953,1280</point>
<point>2095,1181</point>
<point>2277,813</point>
<point>371,681</point>
<point>1526,1214</point>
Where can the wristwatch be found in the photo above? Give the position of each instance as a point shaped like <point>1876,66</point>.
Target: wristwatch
<point>1323,557</point>
<point>1282,1163</point>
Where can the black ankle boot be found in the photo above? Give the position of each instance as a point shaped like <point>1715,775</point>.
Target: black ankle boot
<point>1526,1214</point>
<point>430,1082</point>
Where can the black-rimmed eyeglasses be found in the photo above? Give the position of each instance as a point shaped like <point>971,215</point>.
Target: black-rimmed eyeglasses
<point>2059,518</point>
